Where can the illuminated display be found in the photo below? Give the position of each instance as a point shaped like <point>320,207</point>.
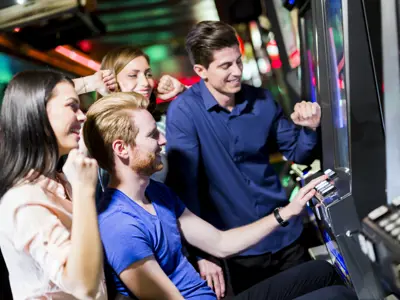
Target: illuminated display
<point>338,87</point>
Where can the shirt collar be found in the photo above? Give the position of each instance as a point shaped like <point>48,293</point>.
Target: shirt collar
<point>208,98</point>
<point>210,102</point>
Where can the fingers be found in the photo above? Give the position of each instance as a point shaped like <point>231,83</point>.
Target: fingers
<point>106,73</point>
<point>308,196</point>
<point>310,186</point>
<point>165,85</point>
<point>209,281</point>
<point>109,79</point>
<point>214,276</point>
<point>217,285</point>
<point>295,116</point>
<point>221,279</point>
<point>306,110</point>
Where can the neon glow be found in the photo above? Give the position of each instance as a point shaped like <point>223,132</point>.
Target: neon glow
<point>312,77</point>
<point>336,75</point>
<point>80,59</point>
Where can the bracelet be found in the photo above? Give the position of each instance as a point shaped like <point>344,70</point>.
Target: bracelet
<point>279,218</point>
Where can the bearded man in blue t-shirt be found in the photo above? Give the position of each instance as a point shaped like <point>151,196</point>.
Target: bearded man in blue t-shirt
<point>141,221</point>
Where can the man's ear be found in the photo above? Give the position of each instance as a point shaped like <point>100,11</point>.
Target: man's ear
<point>201,71</point>
<point>120,149</point>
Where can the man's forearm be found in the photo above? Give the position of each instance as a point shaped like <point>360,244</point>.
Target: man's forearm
<point>236,240</point>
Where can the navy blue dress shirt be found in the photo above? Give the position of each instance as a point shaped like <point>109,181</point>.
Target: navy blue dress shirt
<point>218,160</point>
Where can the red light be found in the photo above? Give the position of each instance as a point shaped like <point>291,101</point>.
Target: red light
<point>241,44</point>
<point>294,58</point>
<point>17,29</point>
<point>78,58</point>
<point>276,63</point>
<point>85,45</point>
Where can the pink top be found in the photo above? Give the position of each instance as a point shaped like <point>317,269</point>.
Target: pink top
<point>35,227</point>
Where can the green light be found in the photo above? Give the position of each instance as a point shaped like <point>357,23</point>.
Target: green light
<point>157,52</point>
<point>285,181</point>
<point>294,193</point>
<point>139,38</point>
<point>134,16</point>
<point>170,66</point>
<point>140,24</point>
<point>138,3</point>
<point>5,69</point>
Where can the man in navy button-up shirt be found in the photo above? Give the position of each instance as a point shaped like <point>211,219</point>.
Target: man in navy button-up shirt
<point>218,133</point>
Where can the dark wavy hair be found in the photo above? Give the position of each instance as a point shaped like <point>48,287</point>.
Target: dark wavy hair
<point>205,38</point>
<point>27,140</point>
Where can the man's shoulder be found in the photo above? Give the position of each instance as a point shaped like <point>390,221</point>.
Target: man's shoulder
<point>186,100</point>
<point>112,208</point>
<point>257,93</point>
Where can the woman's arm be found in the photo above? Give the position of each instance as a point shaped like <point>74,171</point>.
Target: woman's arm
<point>102,81</point>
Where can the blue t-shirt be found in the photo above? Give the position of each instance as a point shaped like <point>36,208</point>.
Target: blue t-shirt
<point>130,233</point>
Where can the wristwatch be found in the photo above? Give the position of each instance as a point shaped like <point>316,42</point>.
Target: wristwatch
<point>279,218</point>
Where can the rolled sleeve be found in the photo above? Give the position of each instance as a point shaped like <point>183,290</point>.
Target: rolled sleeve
<point>297,144</point>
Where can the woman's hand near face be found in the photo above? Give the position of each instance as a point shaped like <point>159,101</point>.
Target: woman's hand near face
<point>80,171</point>
<point>103,82</point>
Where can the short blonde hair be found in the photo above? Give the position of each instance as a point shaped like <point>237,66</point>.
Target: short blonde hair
<point>109,119</point>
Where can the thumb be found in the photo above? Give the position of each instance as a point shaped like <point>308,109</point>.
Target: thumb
<point>294,116</point>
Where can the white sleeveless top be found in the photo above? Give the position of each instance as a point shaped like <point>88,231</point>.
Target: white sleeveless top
<point>35,227</point>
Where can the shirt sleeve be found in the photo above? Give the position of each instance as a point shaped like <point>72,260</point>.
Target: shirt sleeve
<point>125,241</point>
<point>297,144</point>
<point>183,156</point>
<point>41,234</point>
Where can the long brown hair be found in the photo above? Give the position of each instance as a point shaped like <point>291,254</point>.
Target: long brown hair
<point>118,58</point>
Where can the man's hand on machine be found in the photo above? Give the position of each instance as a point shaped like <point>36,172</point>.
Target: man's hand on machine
<point>297,205</point>
<point>307,114</point>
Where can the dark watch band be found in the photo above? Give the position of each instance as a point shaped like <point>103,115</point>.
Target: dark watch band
<point>279,218</point>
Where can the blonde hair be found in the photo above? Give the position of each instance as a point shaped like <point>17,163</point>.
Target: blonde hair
<point>109,119</point>
<point>118,58</point>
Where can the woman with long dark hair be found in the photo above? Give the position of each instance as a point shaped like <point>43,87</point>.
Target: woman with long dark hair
<point>50,244</point>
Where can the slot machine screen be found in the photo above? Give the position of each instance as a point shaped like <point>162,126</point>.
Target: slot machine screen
<point>338,83</point>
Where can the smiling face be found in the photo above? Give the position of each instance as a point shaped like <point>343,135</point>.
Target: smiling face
<point>224,72</point>
<point>136,77</point>
<point>65,117</point>
<point>145,155</point>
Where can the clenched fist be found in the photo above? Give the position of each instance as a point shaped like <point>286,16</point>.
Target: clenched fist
<point>80,170</point>
<point>169,87</point>
<point>307,114</point>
